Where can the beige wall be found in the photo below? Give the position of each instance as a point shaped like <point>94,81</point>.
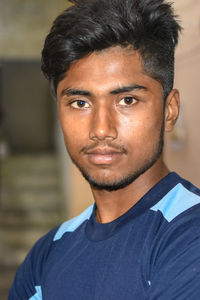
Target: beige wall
<point>24,24</point>
<point>81,196</point>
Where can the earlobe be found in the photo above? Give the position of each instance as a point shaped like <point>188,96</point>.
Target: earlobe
<point>171,109</point>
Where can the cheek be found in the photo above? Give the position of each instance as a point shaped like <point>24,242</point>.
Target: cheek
<point>74,131</point>
<point>141,128</point>
<point>67,128</point>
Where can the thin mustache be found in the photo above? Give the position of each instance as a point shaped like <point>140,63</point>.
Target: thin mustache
<point>117,148</point>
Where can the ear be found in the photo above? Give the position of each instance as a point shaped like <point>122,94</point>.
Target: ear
<point>172,105</point>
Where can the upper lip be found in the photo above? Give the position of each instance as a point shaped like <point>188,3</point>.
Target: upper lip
<point>103,151</point>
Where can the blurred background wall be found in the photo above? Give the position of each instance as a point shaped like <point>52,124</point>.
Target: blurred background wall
<point>32,197</point>
<point>39,185</point>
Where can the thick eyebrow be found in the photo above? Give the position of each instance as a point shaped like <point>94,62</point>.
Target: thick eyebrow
<point>128,89</point>
<point>72,92</point>
<point>77,92</point>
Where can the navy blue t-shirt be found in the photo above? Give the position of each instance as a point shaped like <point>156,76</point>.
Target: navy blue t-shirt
<point>150,252</point>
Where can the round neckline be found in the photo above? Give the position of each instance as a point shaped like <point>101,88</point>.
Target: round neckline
<point>96,231</point>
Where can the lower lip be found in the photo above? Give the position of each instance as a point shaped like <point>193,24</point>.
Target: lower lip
<point>104,159</point>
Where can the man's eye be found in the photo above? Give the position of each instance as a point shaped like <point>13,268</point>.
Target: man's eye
<point>79,104</point>
<point>126,101</point>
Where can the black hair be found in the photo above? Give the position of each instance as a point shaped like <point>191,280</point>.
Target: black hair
<point>149,26</point>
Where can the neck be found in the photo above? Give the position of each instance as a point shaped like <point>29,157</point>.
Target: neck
<point>111,205</point>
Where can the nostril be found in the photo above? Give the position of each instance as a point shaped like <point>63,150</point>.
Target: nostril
<point>103,124</point>
<point>101,133</point>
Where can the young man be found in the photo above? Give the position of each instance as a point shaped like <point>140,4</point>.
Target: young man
<point>111,65</point>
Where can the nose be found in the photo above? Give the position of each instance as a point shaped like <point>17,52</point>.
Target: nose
<point>103,124</point>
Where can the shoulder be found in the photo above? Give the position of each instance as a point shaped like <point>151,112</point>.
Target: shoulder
<point>29,276</point>
<point>178,222</point>
<point>73,224</point>
<point>180,210</point>
<point>183,198</point>
<point>175,255</point>
<point>46,244</point>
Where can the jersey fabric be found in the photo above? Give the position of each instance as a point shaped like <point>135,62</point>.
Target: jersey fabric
<point>150,252</point>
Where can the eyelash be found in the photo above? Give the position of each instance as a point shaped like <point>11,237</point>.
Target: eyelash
<point>78,101</point>
<point>133,100</point>
<point>74,103</point>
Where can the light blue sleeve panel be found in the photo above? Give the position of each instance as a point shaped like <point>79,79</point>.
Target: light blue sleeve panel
<point>74,223</point>
<point>178,200</point>
<point>38,294</point>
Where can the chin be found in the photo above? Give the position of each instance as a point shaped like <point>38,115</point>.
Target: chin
<point>117,183</point>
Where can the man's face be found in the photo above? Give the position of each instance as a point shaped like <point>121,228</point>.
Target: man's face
<point>111,114</point>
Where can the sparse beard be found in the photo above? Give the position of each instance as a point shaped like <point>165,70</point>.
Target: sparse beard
<point>123,182</point>
<point>126,180</point>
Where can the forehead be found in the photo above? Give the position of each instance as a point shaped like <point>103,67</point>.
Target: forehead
<point>104,70</point>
